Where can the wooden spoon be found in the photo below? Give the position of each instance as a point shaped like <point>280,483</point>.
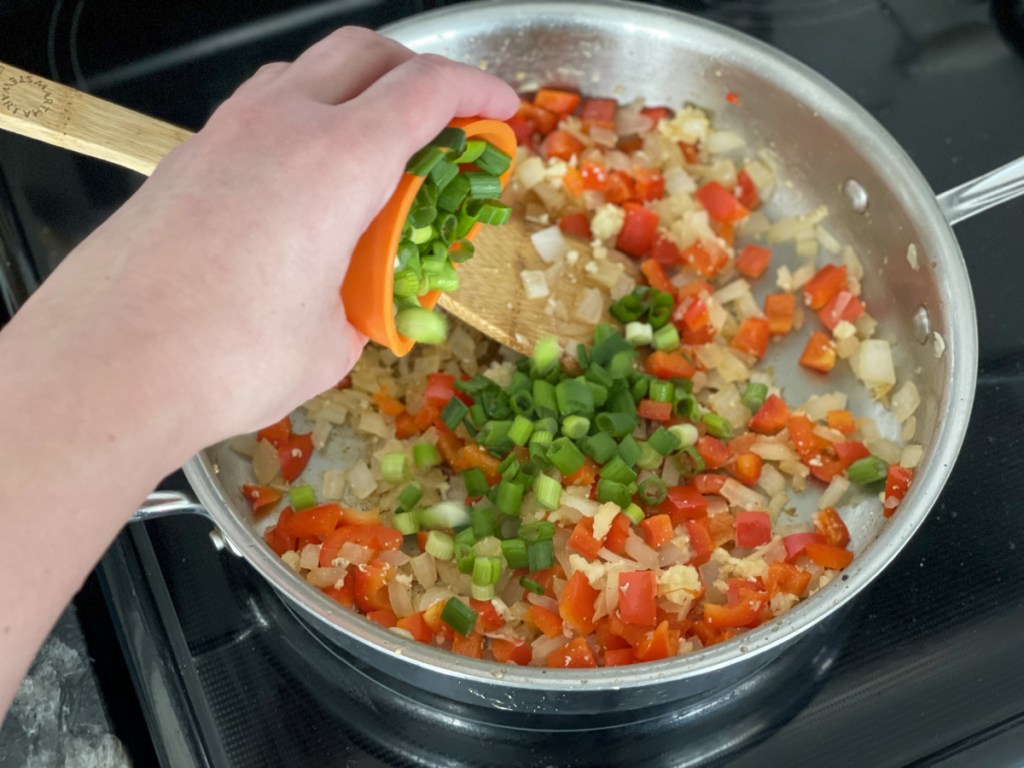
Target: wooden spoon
<point>491,297</point>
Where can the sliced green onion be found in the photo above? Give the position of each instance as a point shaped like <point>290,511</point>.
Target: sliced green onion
<point>610,490</point>
<point>493,160</point>
<point>545,357</point>
<point>421,163</point>
<point>598,374</point>
<point>574,397</point>
<point>652,490</point>
<point>446,514</point>
<point>664,441</point>
<point>459,616</point>
<point>302,497</point>
<point>575,427</point>
<point>617,470</point>
<point>443,173</point>
<point>486,570</point>
<point>639,334</point>
<point>464,557</point>
<point>454,412</point>
<point>540,554</point>
<point>451,139</point>
<point>394,468</point>
<point>649,458</point>
<point>477,415</point>
<point>461,250</point>
<point>616,424</point>
<point>406,283</point>
<point>492,212</point>
<point>410,496</point>
<point>510,497</point>
<point>406,523</point>
<point>634,513</point>
<point>465,537</point>
<point>474,148</point>
<point>628,308</point>
<point>870,469</point>
<point>537,531</point>
<point>453,194</point>
<point>754,395</point>
<point>520,431</point>
<point>521,403</point>
<point>494,434</point>
<point>548,492</point>
<point>717,425</point>
<point>531,586</point>
<point>422,325</point>
<point>440,545</point>
<point>622,362</point>
<point>484,593</point>
<point>425,455</point>
<point>476,482</point>
<point>661,391</point>
<point>630,450</point>
<point>686,434</point>
<point>666,338</point>
<point>482,186</point>
<point>545,400</point>
<point>600,447</point>
<point>689,461</point>
<point>482,521</point>
<point>566,456</point>
<point>514,551</point>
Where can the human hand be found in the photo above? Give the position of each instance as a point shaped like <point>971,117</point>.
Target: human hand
<point>222,272</point>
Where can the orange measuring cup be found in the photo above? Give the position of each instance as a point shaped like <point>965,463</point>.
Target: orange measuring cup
<point>368,288</point>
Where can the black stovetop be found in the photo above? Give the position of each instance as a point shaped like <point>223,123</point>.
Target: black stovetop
<point>927,667</point>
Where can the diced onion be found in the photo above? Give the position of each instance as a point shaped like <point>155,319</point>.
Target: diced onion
<point>678,181</point>
<point>544,646</point>
<point>543,601</point>
<point>591,306</point>
<point>356,554</point>
<point>724,141</point>
<point>394,557</point>
<point>265,462</point>
<point>836,488</point>
<point>873,365</point>
<point>638,549</point>
<point>905,401</point>
<point>400,597</point>
<point>912,455</point>
<point>739,495</point>
<point>424,570</point>
<point>550,243</point>
<point>326,577</point>
<point>535,283</point>
<point>431,596</point>
<point>361,480</point>
<point>309,558</point>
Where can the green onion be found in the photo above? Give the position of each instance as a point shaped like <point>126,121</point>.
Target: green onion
<point>870,469</point>
<point>477,415</point>
<point>598,393</point>
<point>464,557</point>
<point>652,490</point>
<point>493,160</point>
<point>443,173</point>
<point>664,441</point>
<point>618,471</point>
<point>639,334</point>
<point>482,186</point>
<point>622,362</point>
<point>421,163</point>
<point>421,325</point>
<point>537,531</point>
<point>575,427</point>
<point>461,250</point>
<point>600,447</point>
<point>531,586</point>
<point>509,466</point>
<point>465,537</point>
<point>486,570</point>
<point>610,490</point>
<point>493,212</point>
<point>406,523</point>
<point>410,496</point>
<point>717,425</point>
<point>574,397</point>
<point>484,593</point>
<point>640,387</point>
<point>476,482</point>
<point>685,434</point>
<point>689,461</point>
<point>661,391</point>
<point>453,194</point>
<point>514,551</point>
<point>754,395</point>
<point>522,403</point>
<point>394,468</point>
<point>548,492</point>
<point>407,283</point>
<point>446,514</point>
<point>540,554</point>
<point>649,458</point>
<point>545,357</point>
<point>459,616</point>
<point>440,545</point>
<point>520,431</point>
<point>541,438</point>
<point>628,308</point>
<point>494,434</point>
<point>510,497</point>
<point>482,521</point>
<point>425,455</point>
<point>566,456</point>
<point>598,374</point>
<point>451,139</point>
<point>630,450</point>
<point>474,148</point>
<point>545,401</point>
<point>666,338</point>
<point>302,497</point>
<point>616,424</point>
<point>421,235</point>
<point>634,513</point>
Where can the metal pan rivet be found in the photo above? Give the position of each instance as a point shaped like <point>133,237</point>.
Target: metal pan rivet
<point>856,194</point>
<point>922,325</point>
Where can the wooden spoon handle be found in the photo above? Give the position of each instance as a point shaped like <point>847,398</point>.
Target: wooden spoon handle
<point>41,109</point>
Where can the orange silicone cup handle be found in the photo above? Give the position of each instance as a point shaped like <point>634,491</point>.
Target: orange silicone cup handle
<point>368,288</point>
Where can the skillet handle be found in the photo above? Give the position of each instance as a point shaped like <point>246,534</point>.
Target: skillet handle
<point>984,192</point>
<point>163,503</point>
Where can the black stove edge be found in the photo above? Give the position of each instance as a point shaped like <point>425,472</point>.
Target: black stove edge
<point>167,684</point>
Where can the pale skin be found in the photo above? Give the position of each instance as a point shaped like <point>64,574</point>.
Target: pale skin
<point>207,306</point>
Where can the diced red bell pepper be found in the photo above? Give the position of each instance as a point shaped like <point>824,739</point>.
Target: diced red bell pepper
<point>849,451</point>
<point>745,613</point>
<point>387,404</point>
<point>715,453</point>
<point>683,502</point>
<point>548,622</point>
<point>601,110</point>
<point>583,540</point>
<point>828,555</point>
<point>276,434</point>
<point>842,421</point>
<point>771,417</point>
<point>572,182</point>
<point>575,225</point>
<point>701,543</point>
<point>720,203</point>
<point>752,336</point>
<point>472,455</point>
<point>752,528</point>
<point>656,113</point>
<point>654,410</point>
<point>843,306</point>
<point>897,483</point>
<point>669,365</point>
<point>656,277</point>
<point>795,543</point>
<point>560,144</point>
<point>615,541</point>
<point>576,604</point>
<point>471,647</point>
<point>558,101</point>
<point>294,455</point>
<point>661,643</point>
<point>637,234</point>
<point>707,259</point>
<point>440,389</point>
<point>786,578</point>
<point>830,525</point>
<point>665,251</point>
<point>375,537</point>
<point>371,588</point>
<point>753,261</point>
<point>416,626</point>
<point>277,539</point>
<point>819,354</point>
<point>585,475</point>
<point>314,523</point>
<point>708,482</point>
<point>487,616</point>
<point>344,594</point>
<point>543,121</point>
<point>384,616</point>
<point>824,285</point>
<point>656,530</point>
<point>261,498</point>
<point>650,184</point>
<point>780,309</point>
<point>747,467</point>
<point>511,651</point>
<point>595,176</point>
<point>521,127</point>
<point>620,188</point>
<point>747,191</point>
<point>638,592</point>
<point>619,657</point>
<point>575,655</point>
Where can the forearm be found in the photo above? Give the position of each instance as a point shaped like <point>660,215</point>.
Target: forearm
<point>80,450</point>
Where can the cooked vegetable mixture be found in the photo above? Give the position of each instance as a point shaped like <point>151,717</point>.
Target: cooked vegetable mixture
<point>639,506</point>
